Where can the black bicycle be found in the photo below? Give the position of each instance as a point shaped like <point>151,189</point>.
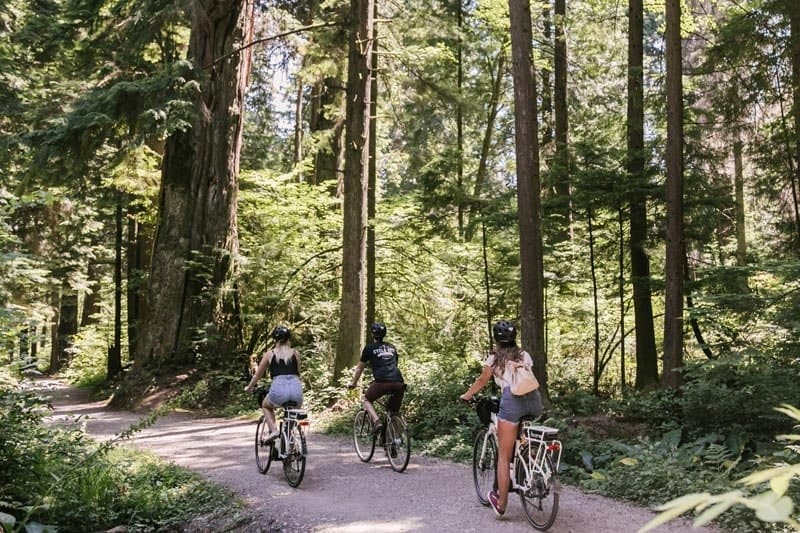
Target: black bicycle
<point>393,436</point>
<point>289,446</point>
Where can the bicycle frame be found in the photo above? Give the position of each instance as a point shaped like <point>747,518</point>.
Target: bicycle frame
<point>291,416</point>
<point>542,438</point>
<point>541,444</point>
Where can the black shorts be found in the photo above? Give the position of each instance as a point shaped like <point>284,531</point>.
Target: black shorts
<point>381,388</point>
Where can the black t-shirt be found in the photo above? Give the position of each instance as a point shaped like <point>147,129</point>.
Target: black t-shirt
<point>382,358</point>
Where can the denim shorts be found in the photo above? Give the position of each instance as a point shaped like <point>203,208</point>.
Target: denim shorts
<point>284,389</point>
<point>512,408</point>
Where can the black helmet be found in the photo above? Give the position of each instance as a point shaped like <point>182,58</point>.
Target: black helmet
<point>378,330</point>
<point>280,333</point>
<point>504,332</point>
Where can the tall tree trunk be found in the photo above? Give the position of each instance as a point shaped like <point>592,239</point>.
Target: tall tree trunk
<point>298,127</point>
<point>193,297</point>
<point>55,354</point>
<point>137,255</point>
<point>486,144</point>
<point>356,168</point>
<point>114,361</point>
<point>547,88</point>
<point>597,370</point>
<point>34,340</point>
<point>738,186</point>
<point>326,120</point>
<point>561,171</point>
<point>460,117</point>
<point>621,293</point>
<point>794,26</point>
<point>646,355</point>
<point>91,299</point>
<point>373,175</point>
<point>24,343</point>
<point>528,189</point>
<point>673,304</point>
<point>67,324</point>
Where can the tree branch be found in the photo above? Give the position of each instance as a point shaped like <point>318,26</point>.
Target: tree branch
<point>270,38</point>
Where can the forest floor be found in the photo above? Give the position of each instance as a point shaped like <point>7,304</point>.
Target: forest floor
<point>339,494</point>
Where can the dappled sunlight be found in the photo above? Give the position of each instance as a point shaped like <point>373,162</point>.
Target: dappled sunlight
<point>373,526</point>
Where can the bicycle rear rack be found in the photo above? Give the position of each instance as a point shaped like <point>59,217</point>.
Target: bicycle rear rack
<point>546,439</point>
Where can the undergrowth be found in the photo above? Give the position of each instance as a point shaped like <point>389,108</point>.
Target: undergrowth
<point>54,475</point>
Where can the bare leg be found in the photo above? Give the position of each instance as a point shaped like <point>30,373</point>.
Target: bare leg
<point>269,414</point>
<point>506,435</point>
<point>371,410</point>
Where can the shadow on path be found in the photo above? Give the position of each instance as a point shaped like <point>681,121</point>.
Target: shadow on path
<point>339,493</point>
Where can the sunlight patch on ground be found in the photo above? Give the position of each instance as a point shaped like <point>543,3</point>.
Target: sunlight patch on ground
<point>372,526</point>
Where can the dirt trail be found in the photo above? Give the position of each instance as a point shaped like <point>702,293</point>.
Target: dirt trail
<point>339,494</point>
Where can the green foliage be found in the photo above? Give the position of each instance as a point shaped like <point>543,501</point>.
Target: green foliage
<point>738,392</point>
<point>54,475</point>
<point>773,505</point>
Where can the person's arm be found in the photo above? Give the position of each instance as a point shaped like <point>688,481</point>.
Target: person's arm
<point>297,358</point>
<point>262,368</point>
<point>479,383</point>
<point>356,375</point>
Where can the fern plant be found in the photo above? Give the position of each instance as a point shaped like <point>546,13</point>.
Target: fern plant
<point>770,505</point>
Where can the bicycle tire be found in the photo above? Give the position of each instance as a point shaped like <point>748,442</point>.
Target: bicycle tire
<point>484,465</point>
<point>540,502</point>
<point>363,439</point>
<point>397,443</point>
<point>263,448</point>
<point>294,463</point>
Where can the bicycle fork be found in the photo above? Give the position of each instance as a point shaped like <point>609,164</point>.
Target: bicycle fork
<point>486,438</point>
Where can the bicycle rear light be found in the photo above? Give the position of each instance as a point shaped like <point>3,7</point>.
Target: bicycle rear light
<point>553,446</point>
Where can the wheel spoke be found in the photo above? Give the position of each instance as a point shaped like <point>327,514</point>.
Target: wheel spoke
<point>294,464</point>
<point>540,501</point>
<point>484,464</point>
<point>263,448</point>
<point>363,439</point>
<point>397,443</point>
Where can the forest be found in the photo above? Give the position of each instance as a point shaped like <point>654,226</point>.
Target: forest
<point>618,178</point>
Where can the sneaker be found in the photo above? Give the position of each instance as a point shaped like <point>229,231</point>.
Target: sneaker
<point>493,497</point>
<point>377,429</point>
<point>272,436</point>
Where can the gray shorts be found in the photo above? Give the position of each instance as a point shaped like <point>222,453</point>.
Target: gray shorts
<point>512,408</point>
<point>286,389</point>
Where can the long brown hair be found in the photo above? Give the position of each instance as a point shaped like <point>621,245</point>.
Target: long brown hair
<point>503,354</point>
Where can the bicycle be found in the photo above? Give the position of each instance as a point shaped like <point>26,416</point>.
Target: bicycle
<point>393,436</point>
<point>290,444</point>
<point>533,467</point>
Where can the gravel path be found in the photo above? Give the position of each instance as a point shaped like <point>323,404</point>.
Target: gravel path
<point>340,494</point>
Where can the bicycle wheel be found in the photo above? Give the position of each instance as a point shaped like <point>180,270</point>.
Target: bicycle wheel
<point>363,439</point>
<point>540,501</point>
<point>484,465</point>
<point>294,464</point>
<point>397,443</point>
<point>263,448</point>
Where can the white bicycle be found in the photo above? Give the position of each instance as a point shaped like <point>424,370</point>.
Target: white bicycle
<point>534,464</point>
<point>290,445</point>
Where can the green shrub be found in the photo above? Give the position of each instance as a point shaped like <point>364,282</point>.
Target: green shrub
<point>735,391</point>
<point>773,505</point>
<point>54,475</point>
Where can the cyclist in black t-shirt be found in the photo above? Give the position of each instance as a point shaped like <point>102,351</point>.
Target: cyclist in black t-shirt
<point>382,358</point>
